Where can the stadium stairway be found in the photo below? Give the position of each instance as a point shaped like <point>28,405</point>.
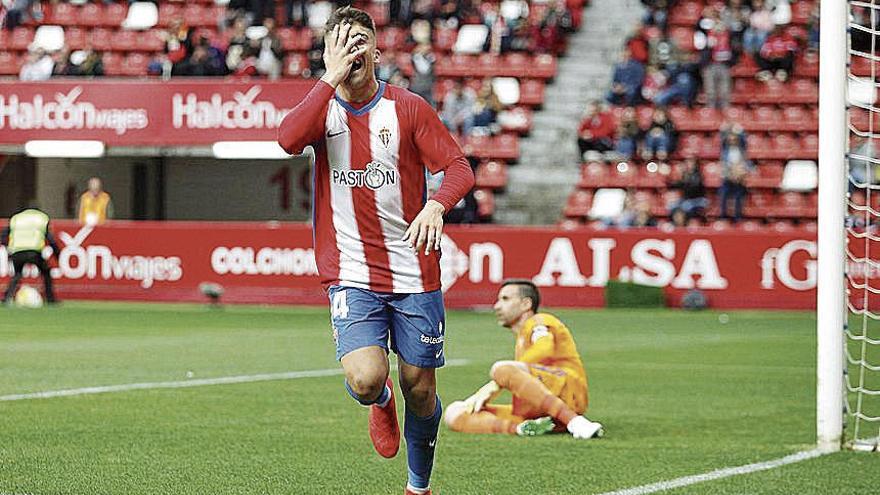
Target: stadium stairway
<point>538,187</point>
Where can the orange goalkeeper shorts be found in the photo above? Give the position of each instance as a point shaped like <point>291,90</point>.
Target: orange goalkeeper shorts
<point>562,383</point>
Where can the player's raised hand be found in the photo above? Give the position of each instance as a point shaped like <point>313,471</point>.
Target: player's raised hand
<point>427,228</point>
<point>340,52</point>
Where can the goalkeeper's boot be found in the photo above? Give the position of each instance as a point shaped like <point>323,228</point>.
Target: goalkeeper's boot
<point>581,427</point>
<point>535,427</point>
<point>384,430</point>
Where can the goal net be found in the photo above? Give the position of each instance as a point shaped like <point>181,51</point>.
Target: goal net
<point>862,267</point>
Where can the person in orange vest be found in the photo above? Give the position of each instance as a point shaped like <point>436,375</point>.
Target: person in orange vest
<point>95,206</point>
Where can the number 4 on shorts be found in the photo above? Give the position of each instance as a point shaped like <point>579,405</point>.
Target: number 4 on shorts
<point>339,305</point>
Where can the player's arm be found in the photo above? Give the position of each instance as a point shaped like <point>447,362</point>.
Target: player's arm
<point>50,239</point>
<point>303,125</point>
<point>481,397</point>
<point>440,152</point>
<point>542,346</point>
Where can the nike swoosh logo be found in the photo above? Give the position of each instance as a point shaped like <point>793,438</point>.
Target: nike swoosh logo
<point>432,443</point>
<point>437,356</point>
<point>333,135</point>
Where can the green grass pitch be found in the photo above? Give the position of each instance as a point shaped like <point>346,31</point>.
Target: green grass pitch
<point>680,394</point>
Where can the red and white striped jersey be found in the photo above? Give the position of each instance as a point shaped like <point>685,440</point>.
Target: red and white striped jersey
<point>369,184</point>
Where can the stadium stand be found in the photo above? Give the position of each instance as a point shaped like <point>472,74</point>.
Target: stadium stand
<point>511,43</point>
<point>779,116</point>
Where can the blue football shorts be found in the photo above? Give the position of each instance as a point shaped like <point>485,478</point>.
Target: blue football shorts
<point>413,323</point>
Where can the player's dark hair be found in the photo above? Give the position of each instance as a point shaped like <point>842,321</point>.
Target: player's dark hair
<point>351,15</point>
<point>527,290</point>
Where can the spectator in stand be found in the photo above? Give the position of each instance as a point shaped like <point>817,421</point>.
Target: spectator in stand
<point>422,81</point>
<point>458,109</point>
<point>760,25</point>
<point>717,56</point>
<point>596,132</point>
<point>85,62</point>
<point>735,168</point>
<point>296,13</point>
<point>19,11</point>
<point>387,67</point>
<point>638,45</point>
<point>735,15</point>
<point>682,88</point>
<point>487,107</point>
<point>626,83</point>
<point>655,81</point>
<point>813,29</point>
<point>238,44</point>
<point>316,55</point>
<point>657,13</point>
<point>636,213</point>
<point>781,12</point>
<point>693,202</point>
<point>516,37</point>
<point>38,66</point>
<point>199,64</point>
<point>465,211</point>
<point>660,136</point>
<point>733,186</point>
<point>628,133</point>
<point>178,41</point>
<point>776,56</point>
<point>256,10</point>
<point>663,51</point>
<point>269,52</point>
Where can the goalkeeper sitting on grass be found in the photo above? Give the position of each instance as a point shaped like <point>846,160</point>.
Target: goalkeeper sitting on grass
<point>547,379</point>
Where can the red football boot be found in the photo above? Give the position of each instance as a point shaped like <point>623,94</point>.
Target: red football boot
<point>384,430</point>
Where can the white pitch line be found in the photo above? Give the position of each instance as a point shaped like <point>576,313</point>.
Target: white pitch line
<point>201,382</point>
<point>718,474</point>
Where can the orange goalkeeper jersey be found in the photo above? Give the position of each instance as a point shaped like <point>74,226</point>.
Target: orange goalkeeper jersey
<point>546,341</point>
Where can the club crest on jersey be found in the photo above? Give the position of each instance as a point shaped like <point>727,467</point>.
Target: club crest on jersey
<point>374,176</point>
<point>385,136</point>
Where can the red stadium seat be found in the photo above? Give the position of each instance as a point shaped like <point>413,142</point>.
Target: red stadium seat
<point>379,12</point>
<point>10,64</point>
<point>667,198</point>
<point>441,87</point>
<point>759,148</point>
<point>647,179</point>
<point>738,114</point>
<point>758,204</point>
<point>135,64</point>
<point>125,41</point>
<point>531,92</point>
<point>91,15</point>
<point>623,175</point>
<point>114,14</point>
<point>745,68</point>
<point>517,63</point>
<point>772,91</point>
<point>489,65</point>
<point>795,118</point>
<point>721,225</point>
<point>784,146</point>
<point>404,62</point>
<point>578,204</point>
<point>802,91</point>
<point>150,41</point>
<point>544,66</point>
<point>491,175</point>
<point>765,118</point>
<point>644,114</point>
<point>712,174</point>
<point>75,38</point>
<point>102,39</point>
<point>685,13</point>
<point>169,12</point>
<point>809,147</point>
<point>288,38</point>
<point>295,64</point>
<point>112,62</point>
<point>62,14</point>
<point>444,39</point>
<point>196,15</point>
<point>807,66</point>
<point>705,119</point>
<point>517,119</point>
<point>751,226</point>
<point>594,175</point>
<point>21,37</point>
<point>485,203</point>
<point>569,224</point>
<point>768,175</point>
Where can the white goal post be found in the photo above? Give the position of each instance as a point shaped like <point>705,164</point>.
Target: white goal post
<point>831,294</point>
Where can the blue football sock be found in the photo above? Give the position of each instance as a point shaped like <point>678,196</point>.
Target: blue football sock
<point>421,435</point>
<point>381,400</point>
